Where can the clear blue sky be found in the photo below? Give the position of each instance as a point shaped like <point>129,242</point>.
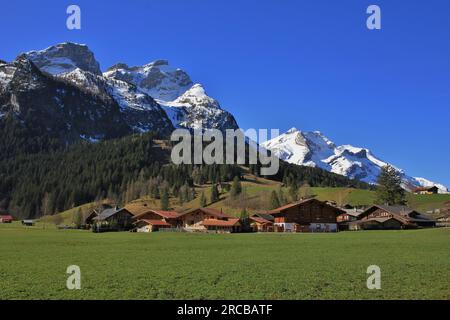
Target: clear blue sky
<point>276,64</point>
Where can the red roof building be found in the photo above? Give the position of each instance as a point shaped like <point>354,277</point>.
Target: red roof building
<point>6,219</point>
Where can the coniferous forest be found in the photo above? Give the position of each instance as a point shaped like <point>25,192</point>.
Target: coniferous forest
<point>39,176</point>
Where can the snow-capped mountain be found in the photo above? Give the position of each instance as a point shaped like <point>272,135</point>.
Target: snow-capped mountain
<point>315,150</point>
<point>65,57</point>
<point>186,104</point>
<point>46,106</point>
<point>154,97</point>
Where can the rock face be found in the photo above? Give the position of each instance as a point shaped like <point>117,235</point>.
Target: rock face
<point>153,97</point>
<point>65,57</point>
<point>315,150</point>
<point>49,106</point>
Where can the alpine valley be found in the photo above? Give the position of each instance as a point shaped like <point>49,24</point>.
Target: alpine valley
<point>71,133</point>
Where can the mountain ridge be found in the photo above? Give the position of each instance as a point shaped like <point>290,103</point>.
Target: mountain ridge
<point>316,150</point>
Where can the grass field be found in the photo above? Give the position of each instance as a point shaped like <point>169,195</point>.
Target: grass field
<point>414,265</point>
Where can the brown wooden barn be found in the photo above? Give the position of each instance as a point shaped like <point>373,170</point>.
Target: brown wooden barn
<point>392,217</point>
<point>426,190</point>
<point>113,219</point>
<point>309,215</point>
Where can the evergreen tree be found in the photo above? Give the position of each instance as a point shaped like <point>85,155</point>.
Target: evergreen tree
<point>389,190</point>
<point>236,187</point>
<point>214,194</point>
<point>274,201</point>
<point>78,218</point>
<point>281,197</point>
<point>164,199</point>
<point>293,194</point>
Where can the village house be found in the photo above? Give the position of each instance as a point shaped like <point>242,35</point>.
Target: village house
<point>154,220</point>
<point>89,220</point>
<point>426,190</point>
<point>348,216</point>
<point>261,222</point>
<point>390,217</point>
<point>309,215</point>
<point>6,218</point>
<point>204,219</point>
<point>116,219</point>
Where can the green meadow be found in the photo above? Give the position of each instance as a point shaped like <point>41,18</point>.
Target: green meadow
<point>414,264</point>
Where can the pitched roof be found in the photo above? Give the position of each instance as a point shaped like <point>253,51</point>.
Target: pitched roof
<point>299,203</point>
<point>401,213</point>
<point>353,212</point>
<point>401,210</point>
<point>105,214</point>
<point>159,223</point>
<point>382,220</point>
<point>161,213</point>
<point>260,220</point>
<point>425,188</point>
<point>213,212</point>
<point>220,223</point>
<point>265,216</point>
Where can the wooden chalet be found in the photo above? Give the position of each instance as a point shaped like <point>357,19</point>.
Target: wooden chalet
<point>113,219</point>
<point>193,219</point>
<point>309,215</point>
<point>349,215</point>
<point>261,222</point>
<point>391,217</point>
<point>154,220</point>
<point>94,213</point>
<point>426,190</point>
<point>6,218</point>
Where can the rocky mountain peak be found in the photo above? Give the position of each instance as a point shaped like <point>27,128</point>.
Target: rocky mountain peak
<point>65,57</point>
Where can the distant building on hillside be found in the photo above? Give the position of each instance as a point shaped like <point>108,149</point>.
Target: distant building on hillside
<point>6,218</point>
<point>426,190</point>
<point>28,223</point>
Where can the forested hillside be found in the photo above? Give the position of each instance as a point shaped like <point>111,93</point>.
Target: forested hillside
<point>39,177</point>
